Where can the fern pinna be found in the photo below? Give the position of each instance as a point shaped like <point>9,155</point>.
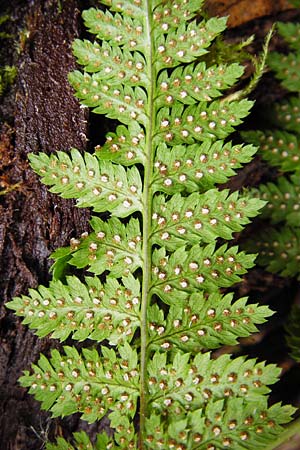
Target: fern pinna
<point>157,265</point>
<point>279,243</point>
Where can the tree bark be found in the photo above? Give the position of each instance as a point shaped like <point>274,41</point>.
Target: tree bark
<point>33,221</point>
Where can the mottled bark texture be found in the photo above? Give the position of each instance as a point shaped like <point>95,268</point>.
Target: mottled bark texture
<point>34,222</point>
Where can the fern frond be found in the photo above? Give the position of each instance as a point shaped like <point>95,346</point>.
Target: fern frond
<point>279,148</point>
<point>86,383</point>
<point>191,383</point>
<point>278,250</point>
<point>234,423</point>
<point>185,41</point>
<point>163,13</point>
<point>200,218</point>
<point>198,168</point>
<point>156,294</point>
<point>115,29</point>
<point>112,247</point>
<point>116,102</point>
<point>179,125</point>
<point>82,441</point>
<point>283,200</point>
<point>287,69</point>
<point>106,188</point>
<point>222,413</point>
<point>204,322</point>
<point>291,34</point>
<point>89,54</point>
<point>175,277</point>
<point>192,84</point>
<point>126,146</point>
<point>293,333</point>
<point>125,438</point>
<point>88,310</point>
<point>127,7</point>
<point>286,114</point>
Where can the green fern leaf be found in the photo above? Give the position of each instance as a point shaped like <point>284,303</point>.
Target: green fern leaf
<point>98,59</point>
<point>191,383</point>
<point>179,125</point>
<point>198,168</point>
<point>84,310</point>
<point>186,41</point>
<point>205,268</point>
<point>126,146</point>
<point>278,148</point>
<point>115,29</point>
<point>200,218</point>
<point>286,68</point>
<point>222,413</point>
<point>127,7</point>
<point>192,84</point>
<point>278,247</point>
<point>286,114</point>
<point>117,102</point>
<point>291,34</point>
<point>185,9</point>
<point>204,322</point>
<point>81,441</point>
<point>283,200</point>
<point>87,383</point>
<point>278,250</point>
<point>109,188</point>
<point>232,424</point>
<point>112,246</point>
<point>104,442</point>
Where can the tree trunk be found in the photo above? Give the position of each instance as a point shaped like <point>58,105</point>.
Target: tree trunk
<point>33,221</point>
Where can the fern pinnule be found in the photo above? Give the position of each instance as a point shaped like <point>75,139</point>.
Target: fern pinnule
<point>159,262</point>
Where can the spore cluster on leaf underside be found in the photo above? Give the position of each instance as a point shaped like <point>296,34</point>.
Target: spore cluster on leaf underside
<point>154,292</point>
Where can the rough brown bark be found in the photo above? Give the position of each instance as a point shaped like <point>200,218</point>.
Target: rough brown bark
<point>34,222</point>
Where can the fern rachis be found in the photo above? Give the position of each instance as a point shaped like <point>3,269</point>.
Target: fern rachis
<point>155,294</point>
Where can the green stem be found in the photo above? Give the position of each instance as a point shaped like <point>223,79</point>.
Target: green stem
<point>288,433</point>
<point>147,217</point>
<point>260,68</point>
